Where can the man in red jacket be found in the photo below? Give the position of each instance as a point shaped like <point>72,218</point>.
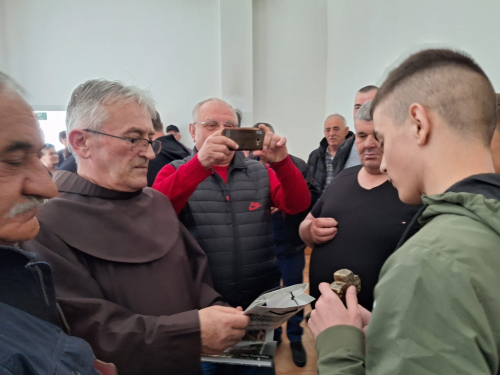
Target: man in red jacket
<point>225,201</point>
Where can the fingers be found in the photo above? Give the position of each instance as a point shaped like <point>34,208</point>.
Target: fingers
<point>351,299</point>
<point>325,222</point>
<point>324,232</point>
<point>327,292</point>
<point>226,141</point>
<point>268,135</point>
<point>281,142</point>
<point>240,322</point>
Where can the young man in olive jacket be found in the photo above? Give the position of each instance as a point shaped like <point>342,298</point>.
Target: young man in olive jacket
<point>437,309</point>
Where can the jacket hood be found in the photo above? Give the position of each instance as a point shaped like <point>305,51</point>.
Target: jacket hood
<point>171,148</point>
<point>323,143</point>
<point>477,197</point>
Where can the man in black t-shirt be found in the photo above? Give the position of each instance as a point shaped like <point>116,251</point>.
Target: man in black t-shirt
<point>357,222</point>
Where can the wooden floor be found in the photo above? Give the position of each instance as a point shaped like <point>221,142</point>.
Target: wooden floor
<point>284,362</point>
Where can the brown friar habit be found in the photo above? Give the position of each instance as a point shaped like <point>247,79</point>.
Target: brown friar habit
<point>129,277</point>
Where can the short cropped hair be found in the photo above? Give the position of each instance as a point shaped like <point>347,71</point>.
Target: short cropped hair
<point>448,82</point>
<point>86,108</point>
<point>157,124</point>
<point>265,124</point>
<point>45,147</point>
<point>336,115</point>
<point>197,107</point>
<point>364,113</point>
<point>368,88</point>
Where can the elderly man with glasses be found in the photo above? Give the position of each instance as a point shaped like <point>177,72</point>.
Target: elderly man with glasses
<point>130,278</point>
<point>225,201</point>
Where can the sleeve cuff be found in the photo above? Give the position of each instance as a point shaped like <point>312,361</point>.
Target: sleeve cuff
<point>283,164</point>
<point>341,337</point>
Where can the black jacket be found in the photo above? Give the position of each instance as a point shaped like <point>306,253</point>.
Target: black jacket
<point>68,165</point>
<point>171,150</point>
<point>316,168</point>
<point>232,224</point>
<point>286,227</point>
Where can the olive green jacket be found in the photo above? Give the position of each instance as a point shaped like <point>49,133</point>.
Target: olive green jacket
<point>437,302</point>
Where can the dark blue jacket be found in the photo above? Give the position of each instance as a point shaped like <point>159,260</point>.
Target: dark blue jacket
<point>30,340</point>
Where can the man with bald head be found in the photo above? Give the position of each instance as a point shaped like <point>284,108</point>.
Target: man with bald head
<point>437,309</point>
<point>131,279</point>
<point>225,201</point>
<point>29,318</point>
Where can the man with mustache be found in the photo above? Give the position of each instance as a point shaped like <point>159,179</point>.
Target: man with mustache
<point>130,278</point>
<point>29,316</point>
<point>357,222</point>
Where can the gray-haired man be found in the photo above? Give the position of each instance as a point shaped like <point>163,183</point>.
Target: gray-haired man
<point>131,279</point>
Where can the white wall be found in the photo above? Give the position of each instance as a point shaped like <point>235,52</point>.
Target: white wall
<point>290,40</point>
<point>3,32</point>
<point>366,37</point>
<point>286,62</point>
<point>236,56</point>
<point>171,47</point>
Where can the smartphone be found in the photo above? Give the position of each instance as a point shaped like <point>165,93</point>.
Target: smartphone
<point>246,138</point>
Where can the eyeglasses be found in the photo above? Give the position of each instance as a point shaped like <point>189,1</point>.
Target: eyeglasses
<point>214,125</point>
<point>136,142</point>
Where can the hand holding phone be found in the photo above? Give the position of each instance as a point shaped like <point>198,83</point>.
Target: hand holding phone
<point>274,148</point>
<point>216,150</point>
<point>249,139</point>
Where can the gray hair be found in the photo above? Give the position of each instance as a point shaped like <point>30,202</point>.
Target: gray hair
<point>86,108</point>
<point>339,116</point>
<point>197,107</point>
<point>7,83</point>
<point>363,113</point>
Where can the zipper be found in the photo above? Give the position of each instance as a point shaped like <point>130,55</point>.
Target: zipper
<point>63,319</point>
<point>42,284</point>
<point>237,266</point>
<point>47,301</point>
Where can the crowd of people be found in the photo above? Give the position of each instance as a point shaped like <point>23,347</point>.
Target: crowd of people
<point>128,247</point>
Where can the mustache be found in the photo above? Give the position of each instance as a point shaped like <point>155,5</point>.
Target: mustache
<point>31,202</point>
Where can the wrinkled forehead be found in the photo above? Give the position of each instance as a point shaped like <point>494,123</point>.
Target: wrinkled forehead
<point>364,126</point>
<point>127,117</point>
<point>18,123</point>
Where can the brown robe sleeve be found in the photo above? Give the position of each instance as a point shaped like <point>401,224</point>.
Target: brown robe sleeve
<point>135,343</point>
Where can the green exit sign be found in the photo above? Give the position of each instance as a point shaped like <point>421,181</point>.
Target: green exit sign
<point>41,115</point>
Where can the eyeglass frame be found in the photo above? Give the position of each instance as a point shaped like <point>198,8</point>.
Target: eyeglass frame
<point>131,140</point>
<point>236,125</point>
